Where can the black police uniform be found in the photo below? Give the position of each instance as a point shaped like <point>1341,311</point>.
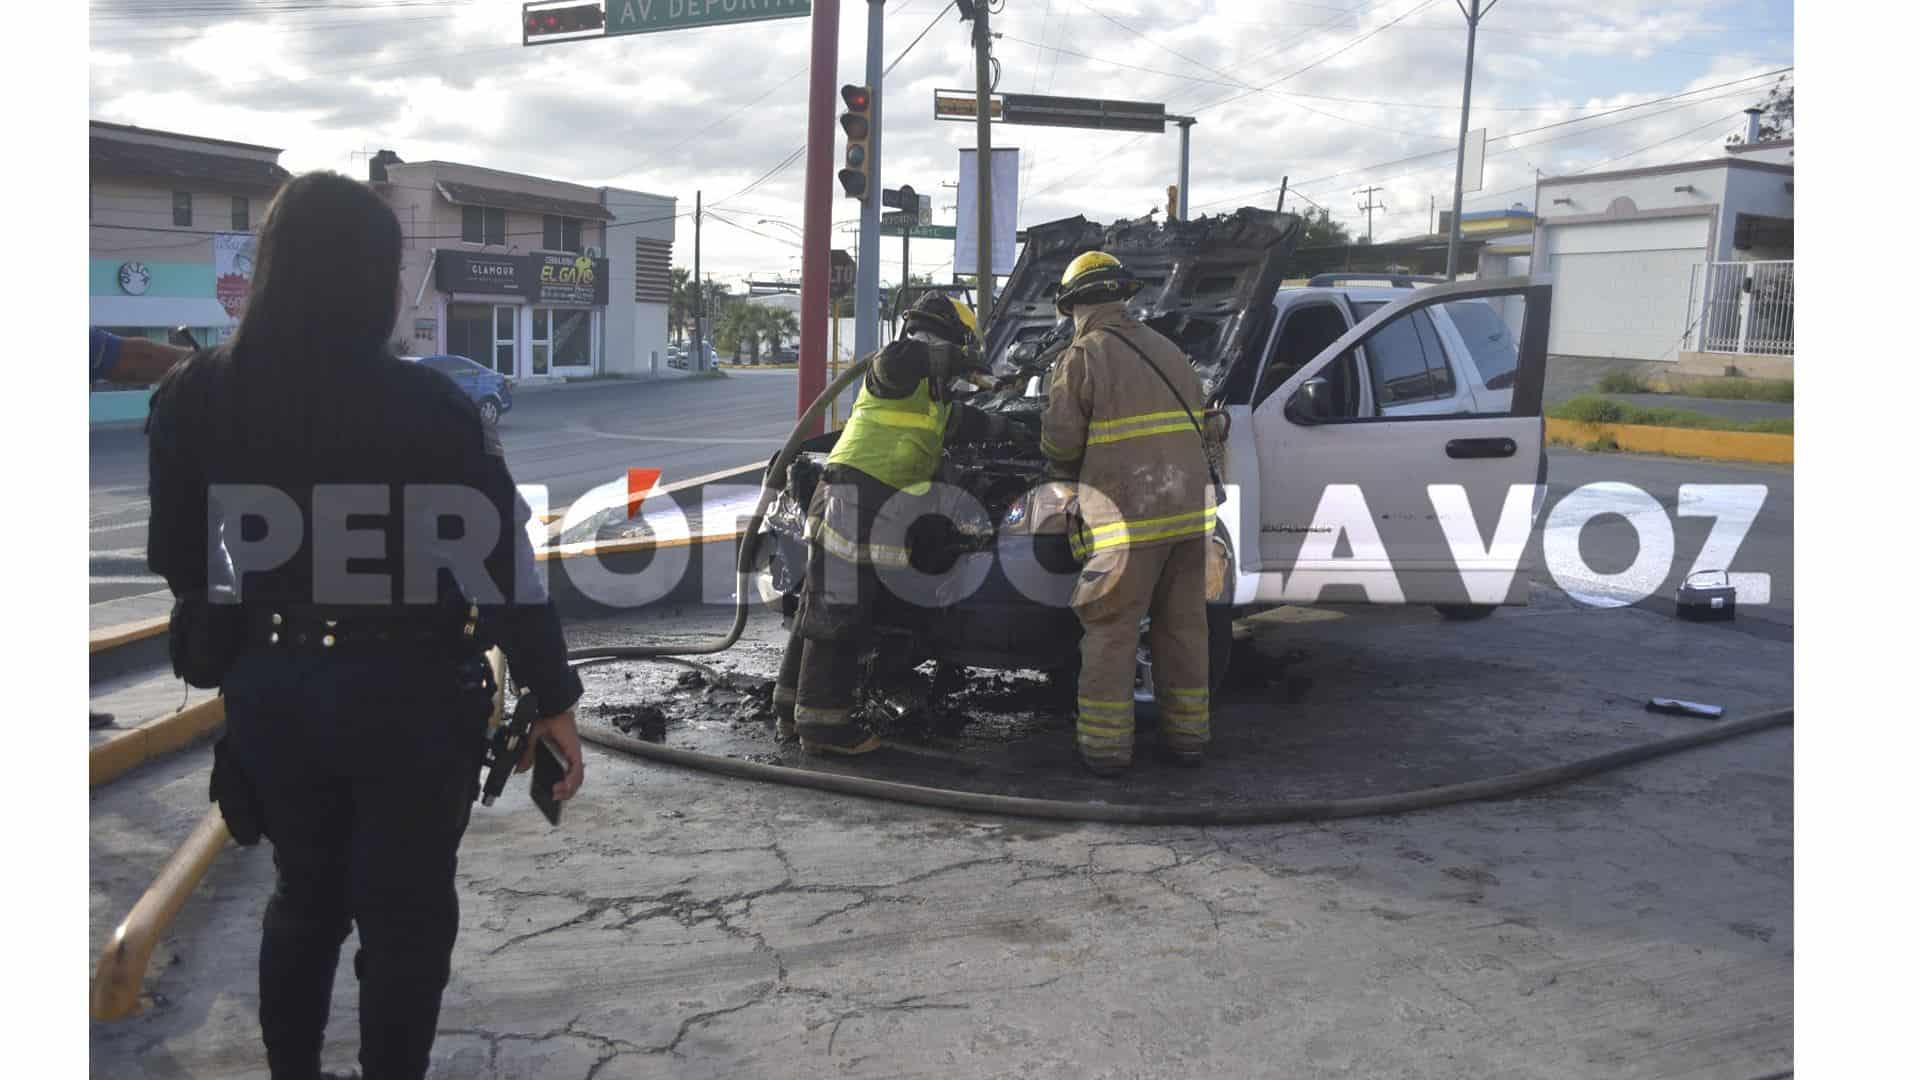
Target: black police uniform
<point>358,728</point>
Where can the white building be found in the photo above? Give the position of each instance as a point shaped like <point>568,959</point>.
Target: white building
<point>1628,249</point>
<point>532,277</point>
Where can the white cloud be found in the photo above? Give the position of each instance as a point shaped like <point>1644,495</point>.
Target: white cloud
<point>671,112</point>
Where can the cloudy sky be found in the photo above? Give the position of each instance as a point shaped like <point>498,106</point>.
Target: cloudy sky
<point>1334,94</point>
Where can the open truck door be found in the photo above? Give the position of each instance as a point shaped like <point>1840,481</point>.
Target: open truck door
<point>1359,502</point>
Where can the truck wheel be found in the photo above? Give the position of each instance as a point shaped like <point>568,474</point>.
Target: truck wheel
<point>1464,612</point>
<point>1219,645</point>
<point>1219,657</point>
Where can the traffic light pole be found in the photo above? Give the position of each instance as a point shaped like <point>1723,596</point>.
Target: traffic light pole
<point>815,283</point>
<point>866,282</point>
<point>983,179</point>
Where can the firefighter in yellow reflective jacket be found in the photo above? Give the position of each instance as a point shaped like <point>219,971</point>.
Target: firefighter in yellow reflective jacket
<point>1122,420</point>
<point>877,481</point>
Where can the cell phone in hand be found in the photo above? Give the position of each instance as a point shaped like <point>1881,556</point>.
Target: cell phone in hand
<point>549,768</point>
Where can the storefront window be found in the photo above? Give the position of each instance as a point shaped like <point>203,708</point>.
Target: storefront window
<point>541,345</point>
<point>562,337</point>
<point>470,331</point>
<point>505,336</point>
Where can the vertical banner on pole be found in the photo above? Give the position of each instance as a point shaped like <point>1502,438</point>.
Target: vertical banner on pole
<point>1006,202</point>
<point>1475,169</point>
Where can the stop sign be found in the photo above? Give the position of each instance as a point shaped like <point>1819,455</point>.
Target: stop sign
<point>840,274</point>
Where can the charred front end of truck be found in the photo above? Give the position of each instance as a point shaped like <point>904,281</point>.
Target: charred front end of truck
<point>992,569</point>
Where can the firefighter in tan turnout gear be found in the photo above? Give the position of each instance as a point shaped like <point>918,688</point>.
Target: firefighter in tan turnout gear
<point>877,481</point>
<point>1122,420</point>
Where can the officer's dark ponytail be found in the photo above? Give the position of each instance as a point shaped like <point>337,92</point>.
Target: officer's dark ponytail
<point>326,282</point>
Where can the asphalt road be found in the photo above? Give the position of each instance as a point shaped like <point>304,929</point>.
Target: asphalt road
<point>570,438</point>
<point>580,436</point>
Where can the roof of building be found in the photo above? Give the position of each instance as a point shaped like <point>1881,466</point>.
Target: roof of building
<point>1494,215</point>
<point>134,129</point>
<point>474,195</point>
<point>1677,167</point>
<point>108,156</point>
<point>1765,144</point>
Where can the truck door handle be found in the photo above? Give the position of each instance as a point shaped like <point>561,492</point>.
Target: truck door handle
<point>1481,448</point>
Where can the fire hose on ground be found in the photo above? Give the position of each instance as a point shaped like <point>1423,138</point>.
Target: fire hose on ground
<point>1496,787</point>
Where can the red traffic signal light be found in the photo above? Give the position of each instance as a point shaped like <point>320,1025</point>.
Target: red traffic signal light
<point>857,122</point>
<point>572,19</point>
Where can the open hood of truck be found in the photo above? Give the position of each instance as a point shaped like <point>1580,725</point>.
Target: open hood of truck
<point>1204,281</point>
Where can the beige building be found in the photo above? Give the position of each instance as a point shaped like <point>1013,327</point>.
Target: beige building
<point>171,228</point>
<point>535,278</point>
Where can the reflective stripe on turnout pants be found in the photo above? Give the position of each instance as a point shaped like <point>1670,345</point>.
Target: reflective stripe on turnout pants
<point>838,593</point>
<point>1116,588</point>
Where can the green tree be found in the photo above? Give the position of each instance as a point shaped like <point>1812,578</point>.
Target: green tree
<point>1776,113</point>
<point>1322,230</point>
<point>679,302</point>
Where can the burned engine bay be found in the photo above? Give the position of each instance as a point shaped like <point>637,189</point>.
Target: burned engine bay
<point>1204,286</point>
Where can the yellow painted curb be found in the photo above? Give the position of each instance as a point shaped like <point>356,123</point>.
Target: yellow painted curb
<point>163,735</point>
<point>618,547</point>
<point>115,993</point>
<point>112,637</point>
<point>1678,442</point>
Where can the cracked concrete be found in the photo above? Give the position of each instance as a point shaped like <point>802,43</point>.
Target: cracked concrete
<point>1637,925</point>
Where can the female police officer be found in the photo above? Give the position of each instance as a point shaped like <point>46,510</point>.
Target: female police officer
<point>359,524</point>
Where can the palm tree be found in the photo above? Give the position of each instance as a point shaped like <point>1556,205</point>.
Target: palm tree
<point>777,324</point>
<point>680,301</point>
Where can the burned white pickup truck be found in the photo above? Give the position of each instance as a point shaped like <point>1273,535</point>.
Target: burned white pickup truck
<point>1377,436</point>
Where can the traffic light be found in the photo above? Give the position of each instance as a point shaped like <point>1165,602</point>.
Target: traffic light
<point>857,122</point>
<point>562,23</point>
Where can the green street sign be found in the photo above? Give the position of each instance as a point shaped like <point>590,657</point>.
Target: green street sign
<point>652,16</point>
<point>920,232</point>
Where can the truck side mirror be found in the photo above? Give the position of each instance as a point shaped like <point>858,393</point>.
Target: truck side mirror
<point>1312,403</point>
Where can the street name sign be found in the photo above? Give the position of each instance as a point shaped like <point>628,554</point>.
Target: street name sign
<point>919,232</point>
<point>963,105</point>
<point>1101,113</point>
<point>653,16</point>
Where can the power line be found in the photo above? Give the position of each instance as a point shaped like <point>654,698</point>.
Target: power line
<point>1136,139</point>
<point>1560,138</point>
<point>1515,134</point>
<point>931,23</point>
<point>724,220</point>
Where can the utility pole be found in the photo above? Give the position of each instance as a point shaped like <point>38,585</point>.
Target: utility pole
<point>866,281</point>
<point>699,289</point>
<point>1370,206</point>
<point>1433,226</point>
<point>1460,152</point>
<point>983,141</point>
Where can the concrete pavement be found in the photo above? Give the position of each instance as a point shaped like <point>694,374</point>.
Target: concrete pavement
<point>1636,925</point>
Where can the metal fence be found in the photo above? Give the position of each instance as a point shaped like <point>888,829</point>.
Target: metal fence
<point>1742,307</point>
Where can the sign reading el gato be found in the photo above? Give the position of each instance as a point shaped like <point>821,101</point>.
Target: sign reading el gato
<point>568,279</point>
<point>544,278</point>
